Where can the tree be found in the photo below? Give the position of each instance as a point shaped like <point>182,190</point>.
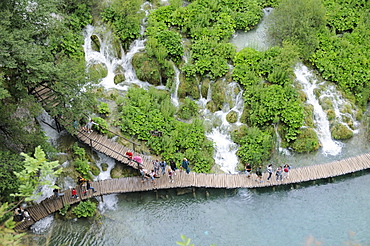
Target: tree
<point>9,183</point>
<point>35,173</point>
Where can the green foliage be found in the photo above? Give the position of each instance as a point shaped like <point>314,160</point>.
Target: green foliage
<point>345,60</point>
<point>144,111</point>
<point>124,17</point>
<point>7,235</point>
<point>8,181</point>
<point>209,24</point>
<point>188,109</point>
<point>185,241</point>
<point>103,108</point>
<point>146,68</point>
<point>85,209</point>
<point>81,163</point>
<point>343,15</point>
<point>273,102</point>
<point>102,125</point>
<point>341,132</point>
<point>255,146</point>
<point>35,173</point>
<point>63,211</point>
<point>307,141</point>
<point>299,22</point>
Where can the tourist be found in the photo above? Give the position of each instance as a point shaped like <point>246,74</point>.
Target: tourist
<point>56,192</point>
<point>144,174</point>
<point>173,166</point>
<point>19,213</point>
<point>269,170</point>
<point>81,182</point>
<point>152,176</point>
<point>170,174</point>
<point>88,187</point>
<point>279,174</point>
<point>248,169</point>
<point>26,215</point>
<point>185,165</point>
<point>129,154</point>
<point>156,166</point>
<point>89,125</point>
<point>163,167</point>
<point>74,193</point>
<point>259,174</point>
<point>286,171</point>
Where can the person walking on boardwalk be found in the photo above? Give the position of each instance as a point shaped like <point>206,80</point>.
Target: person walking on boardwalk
<point>185,165</point>
<point>56,192</point>
<point>173,166</point>
<point>248,169</point>
<point>88,187</point>
<point>26,215</point>
<point>279,174</point>
<point>152,175</point>
<point>286,171</point>
<point>82,183</point>
<point>144,174</point>
<point>170,174</point>
<point>89,125</point>
<point>163,167</point>
<point>19,213</point>
<point>269,171</point>
<point>74,193</point>
<point>259,174</point>
<point>156,166</point>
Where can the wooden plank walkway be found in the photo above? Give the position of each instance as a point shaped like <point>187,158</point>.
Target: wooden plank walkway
<point>112,149</point>
<point>201,180</point>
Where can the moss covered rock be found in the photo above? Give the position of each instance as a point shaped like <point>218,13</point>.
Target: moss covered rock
<point>95,43</point>
<point>340,131</point>
<point>104,167</point>
<point>98,70</point>
<point>219,93</point>
<point>205,87</point>
<point>147,69</point>
<point>188,87</point>
<point>232,116</point>
<point>307,141</point>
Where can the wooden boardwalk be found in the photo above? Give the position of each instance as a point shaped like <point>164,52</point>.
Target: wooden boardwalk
<point>111,148</point>
<point>183,180</point>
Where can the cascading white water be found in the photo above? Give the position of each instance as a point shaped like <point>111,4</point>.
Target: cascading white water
<point>174,96</point>
<point>225,148</point>
<point>108,57</point>
<point>338,103</point>
<point>308,82</point>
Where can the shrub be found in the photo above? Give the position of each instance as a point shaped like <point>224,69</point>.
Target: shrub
<point>307,141</point>
<point>103,108</point>
<point>187,109</point>
<point>85,209</point>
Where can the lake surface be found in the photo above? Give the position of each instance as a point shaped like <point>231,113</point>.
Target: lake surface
<point>325,213</point>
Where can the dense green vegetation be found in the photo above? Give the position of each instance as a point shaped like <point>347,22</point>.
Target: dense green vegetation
<point>144,111</point>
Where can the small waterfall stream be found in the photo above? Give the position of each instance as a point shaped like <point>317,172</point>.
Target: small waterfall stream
<point>309,84</point>
<point>225,148</point>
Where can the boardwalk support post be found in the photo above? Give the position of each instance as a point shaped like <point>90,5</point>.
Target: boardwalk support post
<point>102,199</point>
<point>156,194</point>
<point>194,195</point>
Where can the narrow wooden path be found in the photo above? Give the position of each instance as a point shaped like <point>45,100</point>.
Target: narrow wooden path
<point>183,180</point>
<point>111,148</point>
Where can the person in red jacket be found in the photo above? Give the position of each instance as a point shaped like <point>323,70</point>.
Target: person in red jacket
<point>74,193</point>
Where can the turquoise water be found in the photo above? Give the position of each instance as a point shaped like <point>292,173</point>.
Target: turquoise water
<point>328,212</point>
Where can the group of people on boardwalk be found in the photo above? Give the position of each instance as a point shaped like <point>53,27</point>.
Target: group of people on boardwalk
<point>21,214</point>
<point>160,168</point>
<point>85,186</point>
<point>282,172</point>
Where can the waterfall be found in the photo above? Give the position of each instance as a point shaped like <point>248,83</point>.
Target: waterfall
<point>108,56</point>
<point>174,96</point>
<point>309,84</point>
<point>225,148</point>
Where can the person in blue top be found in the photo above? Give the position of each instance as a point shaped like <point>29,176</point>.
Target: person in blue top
<point>185,165</point>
